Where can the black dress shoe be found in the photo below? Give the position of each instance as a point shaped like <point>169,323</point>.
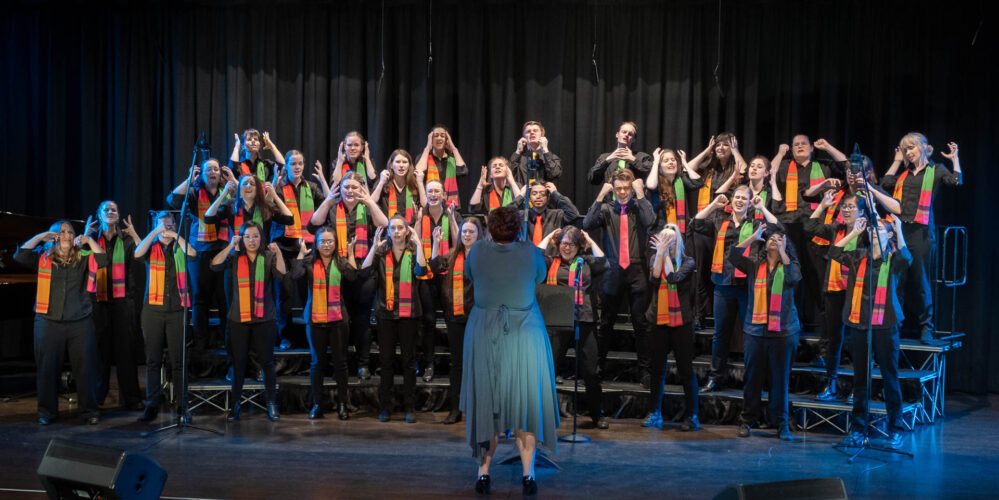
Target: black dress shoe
<point>384,416</point>
<point>186,417</point>
<point>428,374</point>
<point>272,412</point>
<point>452,418</point>
<point>828,393</point>
<point>233,414</point>
<point>784,433</point>
<point>342,412</point>
<point>316,412</point>
<point>364,373</point>
<point>601,423</point>
<point>743,431</point>
<point>149,414</point>
<point>92,420</point>
<point>45,420</point>
<point>530,486</point>
<point>926,337</point>
<point>691,423</point>
<point>482,485</point>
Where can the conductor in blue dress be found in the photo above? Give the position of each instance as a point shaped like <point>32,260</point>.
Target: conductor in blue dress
<point>508,378</point>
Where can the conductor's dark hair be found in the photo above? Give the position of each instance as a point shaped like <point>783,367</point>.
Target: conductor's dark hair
<point>504,223</point>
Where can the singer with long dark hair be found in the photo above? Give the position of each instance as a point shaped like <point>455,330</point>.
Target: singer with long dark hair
<point>670,188</point>
<point>166,255</point>
<point>915,187</point>
<point>569,266</point>
<point>252,270</point>
<point>63,320</point>
<point>508,379</point>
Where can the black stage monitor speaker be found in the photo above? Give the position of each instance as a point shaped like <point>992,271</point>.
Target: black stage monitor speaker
<point>824,488</point>
<point>555,302</point>
<point>78,470</point>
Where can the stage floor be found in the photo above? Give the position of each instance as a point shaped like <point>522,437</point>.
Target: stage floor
<point>362,458</point>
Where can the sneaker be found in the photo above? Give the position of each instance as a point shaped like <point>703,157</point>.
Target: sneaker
<point>284,345</point>
<point>364,373</point>
<point>709,385</point>
<point>828,393</point>
<point>428,374</point>
<point>894,440</point>
<point>601,423</point>
<point>853,440</point>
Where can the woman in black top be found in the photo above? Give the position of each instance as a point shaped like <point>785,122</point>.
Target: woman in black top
<point>569,266</point>
<point>166,255</point>
<point>457,299</point>
<point>396,261</point>
<point>325,313</point>
<point>251,317</point>
<point>63,315</point>
<point>671,319</point>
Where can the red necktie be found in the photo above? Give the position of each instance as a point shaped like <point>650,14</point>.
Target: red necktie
<point>623,258</point>
<point>537,230</point>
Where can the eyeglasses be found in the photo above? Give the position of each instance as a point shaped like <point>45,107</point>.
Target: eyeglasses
<point>325,242</point>
<point>568,244</point>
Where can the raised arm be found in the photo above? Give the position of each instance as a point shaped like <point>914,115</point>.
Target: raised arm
<point>695,164</point>
<point>269,145</point>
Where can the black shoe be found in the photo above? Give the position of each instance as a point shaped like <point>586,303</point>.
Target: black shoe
<point>784,434</point>
<point>452,418</point>
<point>428,374</point>
<point>709,385</point>
<point>819,362</point>
<point>284,345</point>
<point>853,440</point>
<point>601,423</point>
<point>260,375</point>
<point>894,440</point>
<point>828,393</point>
<point>342,412</point>
<point>149,414</point>
<point>482,485</point>
<point>384,416</point>
<point>410,417</point>
<point>228,374</point>
<point>92,420</point>
<point>691,423</point>
<point>530,485</point>
<point>654,419</point>
<point>364,373</point>
<point>316,412</point>
<point>186,418</point>
<point>743,431</point>
<point>272,412</point>
<point>559,380</point>
<point>45,420</point>
<point>233,414</point>
<point>926,337</point>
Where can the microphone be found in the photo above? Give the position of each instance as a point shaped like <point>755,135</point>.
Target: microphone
<point>856,160</point>
<point>579,275</point>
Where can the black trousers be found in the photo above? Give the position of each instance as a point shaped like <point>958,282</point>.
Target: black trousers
<point>114,324</point>
<point>288,293</point>
<point>430,292</point>
<point>832,331</point>
<point>402,331</point>
<point>358,294</point>
<point>633,290</point>
<point>808,293</point>
<point>884,346</point>
<point>259,338</point>
<point>680,340</point>
<point>164,329</point>
<point>730,304</point>
<point>774,355</point>
<point>703,246</point>
<point>456,346</point>
<point>333,336</point>
<point>52,340</point>
<point>587,354</point>
<point>209,291</point>
<point>914,286</point>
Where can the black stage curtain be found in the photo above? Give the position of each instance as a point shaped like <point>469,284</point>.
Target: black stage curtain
<point>106,100</point>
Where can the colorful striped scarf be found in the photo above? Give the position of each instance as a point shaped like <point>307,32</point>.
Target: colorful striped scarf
<point>239,217</point>
<point>761,313</point>
<point>405,283</point>
<point>668,310</point>
<point>157,275</point>
<point>925,193</point>
<point>359,169</point>
<point>837,272</point>
<point>677,214</point>
<point>301,213</point>
<point>393,203</point>
<point>243,283</point>
<point>325,292</point>
<point>100,283</point>
<point>360,230</point>
<point>494,201</point>
<point>458,284</point>
<point>44,284</point>
<point>450,178</point>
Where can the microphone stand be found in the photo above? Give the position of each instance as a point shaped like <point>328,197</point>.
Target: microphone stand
<point>574,437</point>
<point>872,215</point>
<point>182,422</point>
<point>532,169</point>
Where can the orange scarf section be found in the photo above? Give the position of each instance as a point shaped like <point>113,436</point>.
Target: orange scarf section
<point>668,303</point>
<point>44,284</point>
<point>458,284</point>
<point>718,257</point>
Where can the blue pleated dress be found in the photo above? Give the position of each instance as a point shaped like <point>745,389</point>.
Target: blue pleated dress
<point>508,380</point>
